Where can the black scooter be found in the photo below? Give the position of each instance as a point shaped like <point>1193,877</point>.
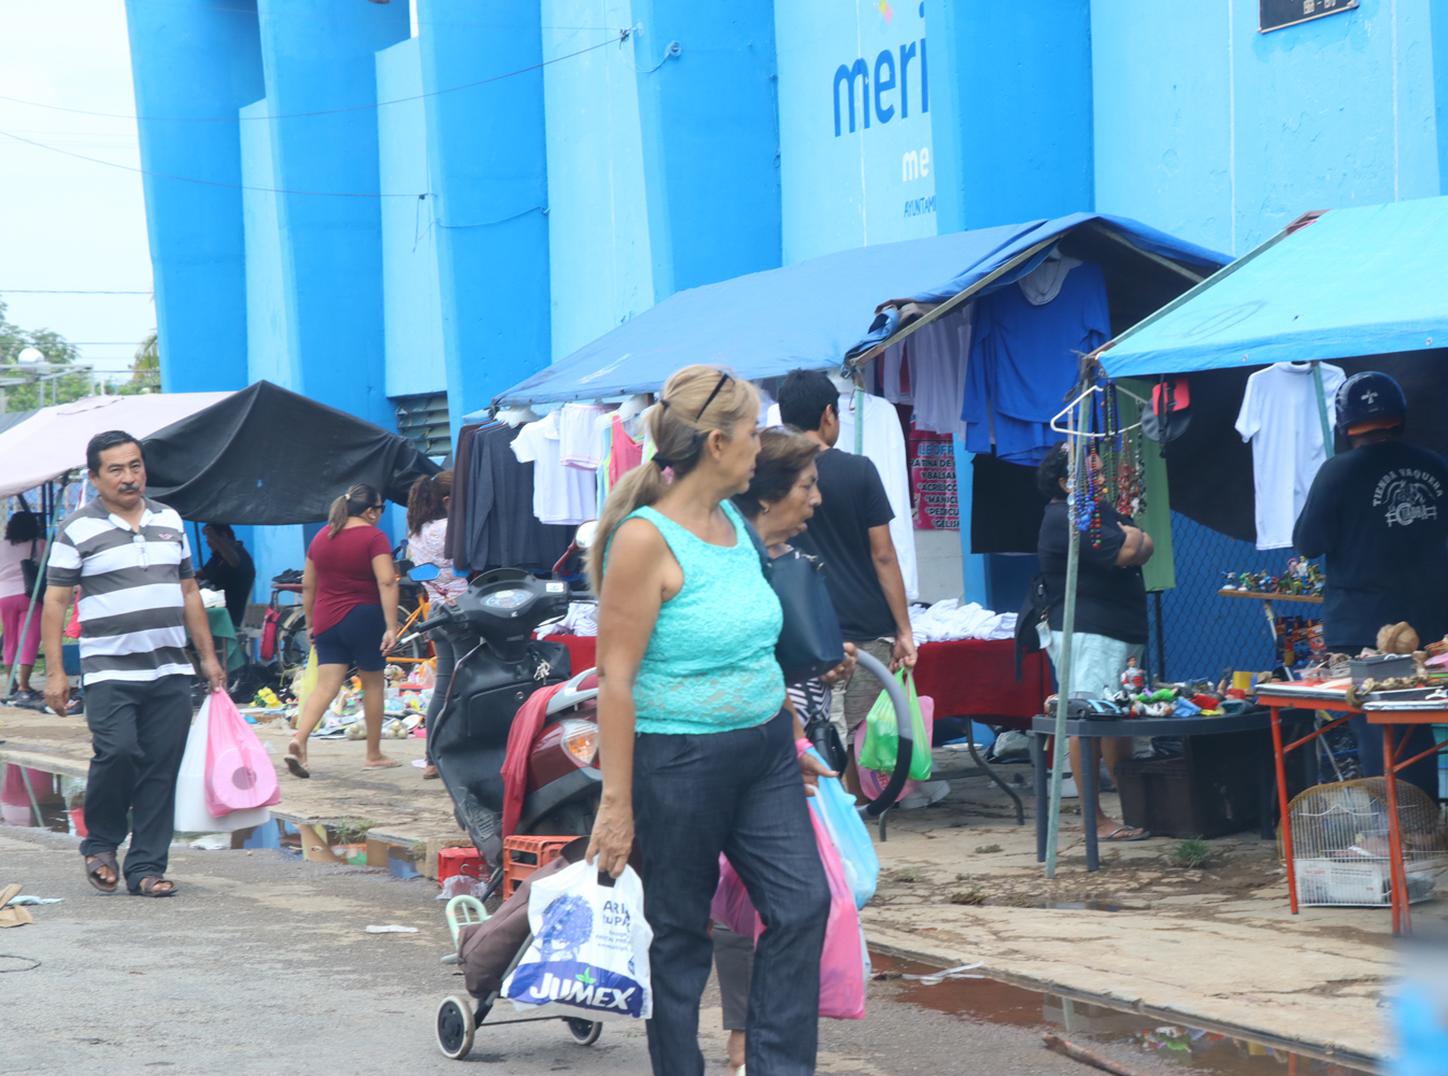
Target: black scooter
<point>499,665</point>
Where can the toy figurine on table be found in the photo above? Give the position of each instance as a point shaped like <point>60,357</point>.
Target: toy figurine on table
<point>1133,677</point>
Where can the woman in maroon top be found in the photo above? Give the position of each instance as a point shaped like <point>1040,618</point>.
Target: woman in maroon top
<point>349,595</point>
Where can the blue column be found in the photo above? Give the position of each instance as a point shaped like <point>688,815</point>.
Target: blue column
<point>710,126</point>
<point>194,63</point>
<point>1010,100</point>
<point>487,157</point>
<point>319,56</point>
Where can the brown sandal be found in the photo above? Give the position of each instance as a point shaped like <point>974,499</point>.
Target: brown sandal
<point>93,865</point>
<point>294,760</point>
<point>151,886</point>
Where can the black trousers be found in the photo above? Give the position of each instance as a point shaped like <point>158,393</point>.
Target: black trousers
<point>739,793</point>
<point>138,734</point>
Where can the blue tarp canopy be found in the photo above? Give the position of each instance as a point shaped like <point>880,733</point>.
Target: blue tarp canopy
<point>1365,281</point>
<point>815,313</point>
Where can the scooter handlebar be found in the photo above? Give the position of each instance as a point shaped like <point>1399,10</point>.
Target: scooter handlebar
<point>886,799</point>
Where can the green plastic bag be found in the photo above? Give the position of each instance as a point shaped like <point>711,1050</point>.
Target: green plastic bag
<point>882,734</point>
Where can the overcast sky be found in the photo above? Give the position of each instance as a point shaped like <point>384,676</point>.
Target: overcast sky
<point>67,223</point>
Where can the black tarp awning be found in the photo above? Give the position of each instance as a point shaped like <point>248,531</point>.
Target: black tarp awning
<point>266,456</point>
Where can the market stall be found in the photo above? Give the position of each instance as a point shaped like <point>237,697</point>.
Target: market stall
<point>921,430</point>
<point>1334,294</point>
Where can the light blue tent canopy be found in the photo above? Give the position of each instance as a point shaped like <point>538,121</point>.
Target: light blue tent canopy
<point>1364,281</point>
<point>817,312</point>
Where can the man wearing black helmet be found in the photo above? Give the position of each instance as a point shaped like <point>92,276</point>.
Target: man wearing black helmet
<point>1379,513</point>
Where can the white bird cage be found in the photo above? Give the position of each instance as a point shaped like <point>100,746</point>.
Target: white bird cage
<point>1340,843</point>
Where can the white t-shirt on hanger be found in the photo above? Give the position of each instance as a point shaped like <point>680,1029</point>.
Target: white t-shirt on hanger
<point>578,443</point>
<point>561,495</point>
<point>1280,419</point>
<point>884,443</point>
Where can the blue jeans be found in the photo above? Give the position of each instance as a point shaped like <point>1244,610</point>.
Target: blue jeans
<point>739,793</point>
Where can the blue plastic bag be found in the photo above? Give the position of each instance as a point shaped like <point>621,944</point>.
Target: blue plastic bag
<point>835,808</point>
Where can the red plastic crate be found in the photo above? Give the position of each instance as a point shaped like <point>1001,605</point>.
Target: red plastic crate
<point>524,855</point>
<point>464,860</point>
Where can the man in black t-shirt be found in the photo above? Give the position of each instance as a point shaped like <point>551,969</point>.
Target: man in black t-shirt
<point>850,533</point>
<point>1110,627</point>
<point>1378,513</point>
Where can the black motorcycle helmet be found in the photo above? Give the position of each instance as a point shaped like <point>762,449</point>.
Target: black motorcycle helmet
<point>1370,401</point>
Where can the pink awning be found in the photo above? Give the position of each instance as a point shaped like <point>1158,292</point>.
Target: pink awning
<point>52,441</point>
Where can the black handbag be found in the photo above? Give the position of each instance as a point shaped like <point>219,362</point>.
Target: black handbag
<point>810,641</point>
<point>30,571</point>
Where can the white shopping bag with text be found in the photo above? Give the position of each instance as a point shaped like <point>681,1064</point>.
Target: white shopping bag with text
<point>590,946</point>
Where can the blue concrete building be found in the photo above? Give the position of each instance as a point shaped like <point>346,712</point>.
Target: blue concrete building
<point>406,208</point>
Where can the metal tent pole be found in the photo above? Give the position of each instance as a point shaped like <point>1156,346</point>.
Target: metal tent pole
<point>1068,629</point>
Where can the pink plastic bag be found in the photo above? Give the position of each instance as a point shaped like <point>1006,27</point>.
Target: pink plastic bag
<point>239,775</point>
<point>872,783</point>
<point>842,963</point>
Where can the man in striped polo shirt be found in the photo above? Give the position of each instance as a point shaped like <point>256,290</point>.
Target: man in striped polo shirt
<point>138,599</point>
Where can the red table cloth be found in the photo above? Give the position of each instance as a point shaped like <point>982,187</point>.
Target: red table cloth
<point>969,678</point>
<point>582,650</point>
<point>977,678</point>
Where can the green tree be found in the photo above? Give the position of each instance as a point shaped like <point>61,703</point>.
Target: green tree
<point>55,348</point>
<point>145,369</point>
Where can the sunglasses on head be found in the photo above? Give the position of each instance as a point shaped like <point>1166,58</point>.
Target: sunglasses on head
<point>723,380</point>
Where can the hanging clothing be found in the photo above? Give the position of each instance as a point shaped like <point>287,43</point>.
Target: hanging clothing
<point>880,437</point>
<point>499,529</point>
<point>562,495</point>
<point>939,353</point>
<point>578,435</point>
<point>1281,420</point>
<point>1025,358</point>
<point>458,504</point>
<point>619,452</point>
<point>896,377</point>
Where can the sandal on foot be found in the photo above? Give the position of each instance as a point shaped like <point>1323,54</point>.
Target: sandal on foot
<point>93,866</point>
<point>429,773</point>
<point>1124,833</point>
<point>294,761</point>
<point>153,885</point>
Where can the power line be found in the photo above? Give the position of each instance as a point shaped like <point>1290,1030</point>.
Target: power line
<point>67,291</point>
<point>622,36</point>
<point>209,182</point>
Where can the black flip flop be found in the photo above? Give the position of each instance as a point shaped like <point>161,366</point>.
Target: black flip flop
<point>102,859</point>
<point>143,889</point>
<point>294,761</point>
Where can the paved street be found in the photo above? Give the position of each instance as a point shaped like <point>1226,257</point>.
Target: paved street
<point>261,965</point>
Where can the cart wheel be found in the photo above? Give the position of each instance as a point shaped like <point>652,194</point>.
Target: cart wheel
<point>455,1028</point>
<point>584,1032</point>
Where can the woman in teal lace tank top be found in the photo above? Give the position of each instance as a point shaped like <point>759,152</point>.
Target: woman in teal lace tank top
<point>698,752</point>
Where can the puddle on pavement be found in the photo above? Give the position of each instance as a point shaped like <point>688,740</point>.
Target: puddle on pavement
<point>35,798</point>
<point>1086,1024</point>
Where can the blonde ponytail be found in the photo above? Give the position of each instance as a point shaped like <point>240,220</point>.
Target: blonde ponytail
<point>354,502</point>
<point>642,486</point>
<point>337,516</point>
<point>696,401</point>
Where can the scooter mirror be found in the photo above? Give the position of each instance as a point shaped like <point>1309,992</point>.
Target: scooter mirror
<point>421,573</point>
<point>587,532</point>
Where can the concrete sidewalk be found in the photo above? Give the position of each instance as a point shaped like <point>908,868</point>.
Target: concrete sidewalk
<point>960,884</point>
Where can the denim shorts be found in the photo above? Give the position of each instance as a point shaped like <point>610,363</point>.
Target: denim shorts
<point>355,640</point>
